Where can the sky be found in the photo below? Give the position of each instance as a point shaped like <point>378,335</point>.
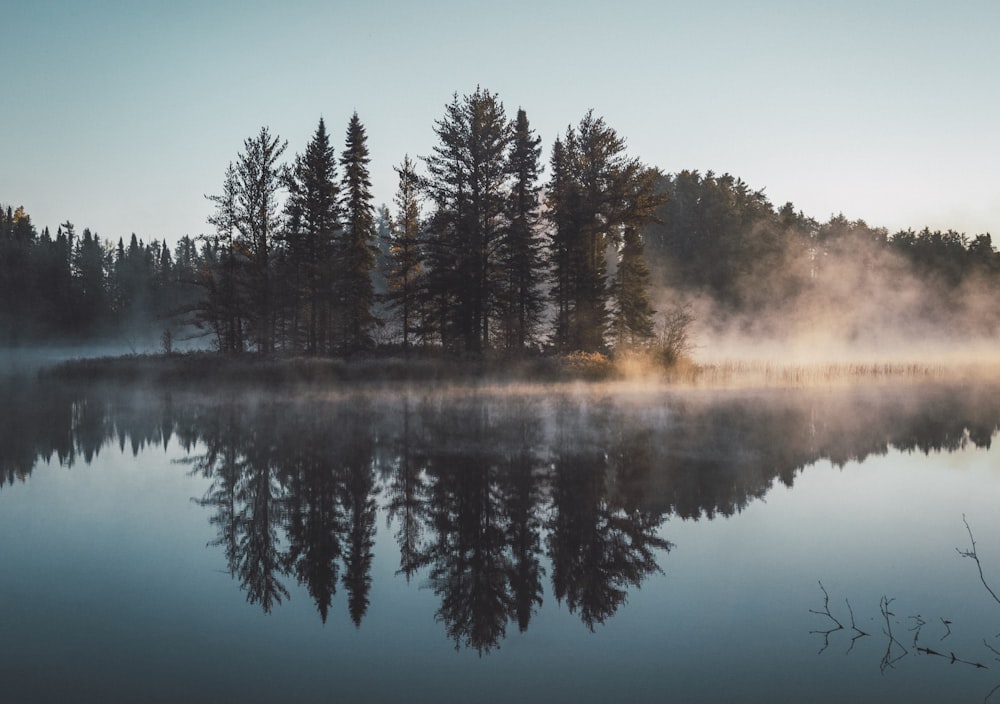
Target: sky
<point>122,115</point>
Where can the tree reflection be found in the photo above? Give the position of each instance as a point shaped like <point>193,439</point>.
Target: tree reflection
<point>490,498</point>
<point>468,557</point>
<point>599,546</point>
<point>406,494</point>
<point>315,522</point>
<point>249,499</point>
<point>358,491</point>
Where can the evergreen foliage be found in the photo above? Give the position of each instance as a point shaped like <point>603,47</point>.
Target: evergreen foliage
<point>404,259</point>
<point>595,193</point>
<point>311,235</point>
<point>468,175</point>
<point>521,249</point>
<point>357,251</point>
<point>499,263</point>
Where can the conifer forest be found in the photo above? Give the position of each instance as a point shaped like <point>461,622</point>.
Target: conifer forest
<point>493,244</point>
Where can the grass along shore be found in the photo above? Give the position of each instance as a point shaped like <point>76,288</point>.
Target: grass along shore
<point>209,368</point>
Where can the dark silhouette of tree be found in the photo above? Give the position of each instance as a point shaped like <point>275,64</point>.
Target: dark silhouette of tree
<point>522,486</point>
<point>258,179</point>
<point>634,311</point>
<point>316,522</point>
<point>313,213</point>
<point>404,258</point>
<point>521,248</point>
<point>90,293</point>
<point>468,555</point>
<point>19,296</point>
<point>359,540</point>
<point>598,546</point>
<point>224,279</point>
<point>357,248</point>
<point>407,498</point>
<point>467,181</point>
<point>595,194</point>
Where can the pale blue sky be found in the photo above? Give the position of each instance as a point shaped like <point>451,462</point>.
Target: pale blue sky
<point>120,115</point>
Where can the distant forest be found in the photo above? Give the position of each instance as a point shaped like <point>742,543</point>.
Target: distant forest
<point>479,255</point>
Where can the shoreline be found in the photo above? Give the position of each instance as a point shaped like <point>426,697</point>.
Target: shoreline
<point>631,372</point>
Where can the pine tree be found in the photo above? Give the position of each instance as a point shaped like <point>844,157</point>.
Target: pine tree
<point>404,262</point>
<point>223,306</point>
<point>521,248</point>
<point>313,213</point>
<point>468,175</point>
<point>259,177</point>
<point>357,250</point>
<point>595,194</point>
<point>634,312</point>
<point>89,284</point>
<point>560,201</point>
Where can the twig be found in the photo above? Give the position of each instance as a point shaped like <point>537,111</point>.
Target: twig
<point>854,627</point>
<point>947,625</point>
<point>920,624</point>
<point>826,612</point>
<point>887,659</point>
<point>953,658</point>
<point>994,650</point>
<point>972,553</point>
<point>992,692</point>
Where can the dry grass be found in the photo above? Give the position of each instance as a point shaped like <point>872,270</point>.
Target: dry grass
<point>637,367</point>
<point>735,373</point>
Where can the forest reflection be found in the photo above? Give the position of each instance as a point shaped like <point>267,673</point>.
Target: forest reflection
<point>489,496</point>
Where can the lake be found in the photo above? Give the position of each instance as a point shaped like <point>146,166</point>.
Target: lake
<point>570,543</point>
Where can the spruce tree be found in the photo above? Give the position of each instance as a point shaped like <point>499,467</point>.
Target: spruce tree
<point>222,309</point>
<point>595,193</point>
<point>258,180</point>
<point>357,248</point>
<point>634,312</point>
<point>521,247</point>
<point>468,177</point>
<point>404,261</point>
<point>313,224</point>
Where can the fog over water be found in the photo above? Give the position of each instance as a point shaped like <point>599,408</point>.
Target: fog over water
<point>622,540</point>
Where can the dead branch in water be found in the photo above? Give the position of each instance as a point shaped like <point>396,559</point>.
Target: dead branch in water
<point>952,657</point>
<point>826,612</point>
<point>972,553</point>
<point>838,625</point>
<point>888,660</point>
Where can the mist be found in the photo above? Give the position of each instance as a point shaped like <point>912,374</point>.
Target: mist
<point>780,287</point>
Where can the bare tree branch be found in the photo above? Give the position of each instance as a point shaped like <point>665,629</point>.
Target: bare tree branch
<point>972,553</point>
<point>826,612</point>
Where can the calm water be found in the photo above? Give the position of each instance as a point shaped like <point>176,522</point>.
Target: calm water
<point>496,547</point>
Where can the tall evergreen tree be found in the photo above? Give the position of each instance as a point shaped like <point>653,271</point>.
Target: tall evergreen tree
<point>223,307</point>
<point>404,262</point>
<point>89,280</point>
<point>561,198</point>
<point>521,247</point>
<point>596,192</point>
<point>357,249</point>
<point>313,213</point>
<point>259,177</point>
<point>468,174</point>
<point>633,310</point>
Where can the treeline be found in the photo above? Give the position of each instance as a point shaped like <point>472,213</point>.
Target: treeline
<point>472,259</point>
<point>476,256</point>
<point>479,254</point>
<point>75,287</point>
<point>775,269</point>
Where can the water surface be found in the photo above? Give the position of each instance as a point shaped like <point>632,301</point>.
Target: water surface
<point>571,545</point>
